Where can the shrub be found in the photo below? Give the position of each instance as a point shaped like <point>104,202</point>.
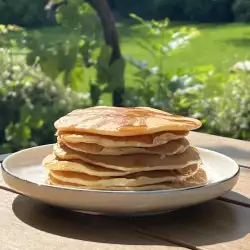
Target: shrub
<point>178,10</point>
<point>154,83</point>
<point>175,10</point>
<point>241,9</point>
<point>221,101</point>
<point>29,104</point>
<point>230,112</point>
<point>23,12</point>
<point>209,10</point>
<point>142,8</point>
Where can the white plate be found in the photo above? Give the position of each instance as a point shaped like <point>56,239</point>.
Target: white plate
<point>23,172</point>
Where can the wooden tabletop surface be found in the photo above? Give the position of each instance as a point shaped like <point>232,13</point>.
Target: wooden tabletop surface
<point>220,224</point>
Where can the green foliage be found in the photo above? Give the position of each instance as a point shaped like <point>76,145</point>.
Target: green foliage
<point>180,10</point>
<point>153,82</point>
<point>209,10</point>
<point>80,17</point>
<point>109,74</point>
<point>33,97</point>
<point>55,58</point>
<point>220,100</point>
<point>175,10</point>
<point>67,61</point>
<point>241,9</point>
<point>142,8</point>
<point>29,104</point>
<point>230,111</point>
<point>23,12</point>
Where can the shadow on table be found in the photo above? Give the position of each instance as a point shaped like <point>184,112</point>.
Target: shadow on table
<point>207,224</point>
<point>211,223</point>
<point>78,225</point>
<point>237,198</point>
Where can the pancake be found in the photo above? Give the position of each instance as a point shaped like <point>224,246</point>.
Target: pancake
<point>170,148</point>
<point>132,180</point>
<point>151,140</point>
<point>131,163</point>
<point>198,179</point>
<point>118,121</point>
<point>52,163</point>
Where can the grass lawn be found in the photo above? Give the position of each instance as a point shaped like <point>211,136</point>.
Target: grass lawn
<point>221,45</point>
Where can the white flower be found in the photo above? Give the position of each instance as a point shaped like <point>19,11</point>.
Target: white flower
<point>154,70</point>
<point>177,43</point>
<point>157,31</point>
<point>216,99</point>
<point>12,93</point>
<point>16,68</point>
<point>190,89</point>
<point>212,123</point>
<point>53,89</point>
<point>62,102</point>
<point>186,80</point>
<point>243,66</point>
<point>176,34</point>
<point>152,99</point>
<point>6,74</point>
<point>27,84</point>
<point>244,126</point>
<point>164,49</point>
<point>84,96</point>
<point>68,90</point>
<point>174,78</point>
<point>197,115</point>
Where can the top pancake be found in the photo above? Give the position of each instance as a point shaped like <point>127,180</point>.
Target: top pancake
<point>117,121</point>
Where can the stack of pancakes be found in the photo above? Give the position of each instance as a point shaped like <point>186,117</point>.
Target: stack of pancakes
<point>111,148</point>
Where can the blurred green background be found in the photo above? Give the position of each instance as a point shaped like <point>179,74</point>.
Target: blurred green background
<point>185,56</point>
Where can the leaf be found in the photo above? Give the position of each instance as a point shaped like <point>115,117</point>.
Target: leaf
<point>202,77</point>
<point>49,65</point>
<point>146,46</point>
<point>140,64</point>
<point>25,114</point>
<point>135,17</point>
<point>67,56</point>
<point>68,15</point>
<point>102,66</point>
<point>116,70</point>
<point>205,68</point>
<point>76,78</point>
<point>105,56</point>
<point>30,58</point>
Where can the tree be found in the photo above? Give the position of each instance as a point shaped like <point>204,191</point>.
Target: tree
<point>105,14</point>
<point>111,38</point>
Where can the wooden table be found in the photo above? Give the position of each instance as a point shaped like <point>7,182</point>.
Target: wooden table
<point>221,224</point>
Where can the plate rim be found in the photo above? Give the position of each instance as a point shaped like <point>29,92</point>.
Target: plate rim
<point>122,192</point>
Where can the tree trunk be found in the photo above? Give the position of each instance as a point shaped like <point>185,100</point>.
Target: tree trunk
<point>111,38</point>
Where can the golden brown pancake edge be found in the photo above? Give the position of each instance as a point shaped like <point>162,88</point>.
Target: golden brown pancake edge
<point>118,121</point>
